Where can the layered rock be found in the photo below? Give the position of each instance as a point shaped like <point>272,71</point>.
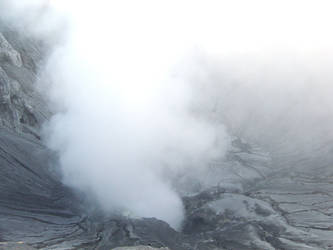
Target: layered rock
<point>22,108</point>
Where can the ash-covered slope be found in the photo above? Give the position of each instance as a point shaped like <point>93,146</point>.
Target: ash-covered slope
<point>32,199</point>
<point>244,204</point>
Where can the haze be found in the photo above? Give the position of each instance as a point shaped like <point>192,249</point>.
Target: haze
<point>145,88</point>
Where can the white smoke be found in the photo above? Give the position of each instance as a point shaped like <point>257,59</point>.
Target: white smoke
<point>125,117</point>
<point>283,103</point>
<point>143,88</point>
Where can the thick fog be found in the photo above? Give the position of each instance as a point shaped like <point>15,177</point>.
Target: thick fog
<point>145,91</point>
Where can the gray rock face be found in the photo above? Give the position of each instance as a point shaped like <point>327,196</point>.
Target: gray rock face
<point>8,53</point>
<point>22,108</point>
<point>141,248</point>
<point>250,200</point>
<point>15,246</point>
<point>288,208</point>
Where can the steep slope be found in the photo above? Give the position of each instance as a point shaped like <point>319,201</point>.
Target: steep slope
<point>22,108</point>
<point>33,202</point>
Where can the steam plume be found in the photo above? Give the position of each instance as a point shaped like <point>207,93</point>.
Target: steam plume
<point>143,88</point>
<point>125,116</point>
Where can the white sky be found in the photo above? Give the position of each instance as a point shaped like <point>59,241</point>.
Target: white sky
<point>218,26</point>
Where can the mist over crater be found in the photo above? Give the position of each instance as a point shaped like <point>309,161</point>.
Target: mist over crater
<point>179,112</point>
